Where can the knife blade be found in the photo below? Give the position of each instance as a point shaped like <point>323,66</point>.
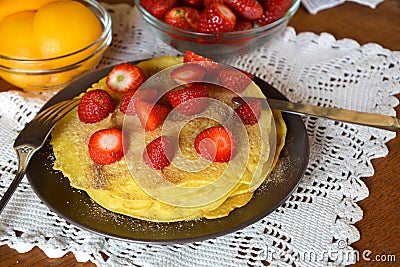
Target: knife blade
<point>351,116</point>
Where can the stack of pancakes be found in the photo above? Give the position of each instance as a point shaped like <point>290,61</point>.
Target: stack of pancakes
<point>115,187</point>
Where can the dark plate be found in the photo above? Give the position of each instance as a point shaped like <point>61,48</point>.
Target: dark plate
<point>76,207</point>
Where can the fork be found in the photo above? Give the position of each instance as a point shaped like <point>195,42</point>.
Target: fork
<point>32,138</point>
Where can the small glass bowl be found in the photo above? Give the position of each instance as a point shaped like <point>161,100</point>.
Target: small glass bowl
<point>217,45</point>
<point>53,74</point>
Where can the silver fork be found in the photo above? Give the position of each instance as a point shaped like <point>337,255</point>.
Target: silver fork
<point>32,138</point>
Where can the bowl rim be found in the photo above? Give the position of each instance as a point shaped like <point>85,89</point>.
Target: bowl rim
<point>161,25</point>
<point>105,20</point>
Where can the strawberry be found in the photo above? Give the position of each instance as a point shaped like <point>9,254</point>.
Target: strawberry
<point>95,105</point>
<point>188,73</point>
<point>243,24</point>
<point>124,77</point>
<point>190,100</point>
<point>206,3</point>
<point>273,10</point>
<point>248,74</point>
<point>234,80</point>
<point>209,64</point>
<point>105,146</point>
<point>127,105</point>
<point>191,56</point>
<point>150,115</point>
<point>183,17</point>
<point>194,3</point>
<point>217,17</point>
<point>249,112</point>
<point>248,9</point>
<point>216,144</point>
<point>159,153</point>
<point>158,8</point>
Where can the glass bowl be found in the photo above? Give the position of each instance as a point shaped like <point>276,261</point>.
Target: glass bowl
<point>53,74</point>
<point>217,45</point>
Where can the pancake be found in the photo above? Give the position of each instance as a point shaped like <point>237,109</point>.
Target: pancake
<point>116,186</point>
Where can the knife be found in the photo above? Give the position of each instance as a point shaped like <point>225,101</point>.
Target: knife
<point>362,118</point>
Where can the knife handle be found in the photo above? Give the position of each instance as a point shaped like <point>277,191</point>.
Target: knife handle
<point>362,118</point>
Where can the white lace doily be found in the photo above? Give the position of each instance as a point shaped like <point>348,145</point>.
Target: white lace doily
<point>314,6</point>
<point>315,227</point>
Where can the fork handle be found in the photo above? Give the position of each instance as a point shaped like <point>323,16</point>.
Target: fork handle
<point>24,156</point>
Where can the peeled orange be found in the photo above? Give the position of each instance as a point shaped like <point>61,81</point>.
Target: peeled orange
<point>64,27</point>
<point>44,29</point>
<point>17,37</point>
<point>8,7</point>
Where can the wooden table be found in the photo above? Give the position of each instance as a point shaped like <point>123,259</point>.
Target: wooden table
<point>380,227</point>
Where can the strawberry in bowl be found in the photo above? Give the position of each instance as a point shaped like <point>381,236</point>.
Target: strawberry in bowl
<point>217,28</point>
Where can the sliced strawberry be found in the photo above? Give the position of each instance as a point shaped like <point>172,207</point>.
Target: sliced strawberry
<point>217,17</point>
<point>243,24</point>
<point>127,105</point>
<point>234,80</point>
<point>273,10</point>
<point>158,8</point>
<point>249,112</point>
<point>124,77</point>
<point>183,17</point>
<point>188,73</point>
<point>191,56</point>
<point>190,100</point>
<point>95,105</point>
<point>216,144</point>
<point>150,115</point>
<point>105,146</point>
<point>159,153</point>
<point>248,9</point>
<point>209,64</point>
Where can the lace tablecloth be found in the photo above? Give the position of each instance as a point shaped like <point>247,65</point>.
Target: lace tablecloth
<point>314,6</point>
<point>314,227</point>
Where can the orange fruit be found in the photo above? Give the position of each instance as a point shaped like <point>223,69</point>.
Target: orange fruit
<point>8,7</point>
<point>17,36</point>
<point>64,27</point>
<point>43,29</point>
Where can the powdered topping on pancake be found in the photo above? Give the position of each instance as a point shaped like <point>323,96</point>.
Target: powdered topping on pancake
<point>197,186</point>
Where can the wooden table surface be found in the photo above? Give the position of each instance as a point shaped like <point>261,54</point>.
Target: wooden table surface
<point>380,227</point>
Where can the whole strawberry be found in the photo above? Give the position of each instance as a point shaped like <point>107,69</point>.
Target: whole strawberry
<point>183,17</point>
<point>248,9</point>
<point>95,105</point>
<point>159,153</point>
<point>217,17</point>
<point>158,8</point>
<point>206,3</point>
<point>273,10</point>
<point>194,3</point>
<point>105,146</point>
<point>243,24</point>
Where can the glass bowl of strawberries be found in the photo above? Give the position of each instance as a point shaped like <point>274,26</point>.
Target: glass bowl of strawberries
<point>217,28</point>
